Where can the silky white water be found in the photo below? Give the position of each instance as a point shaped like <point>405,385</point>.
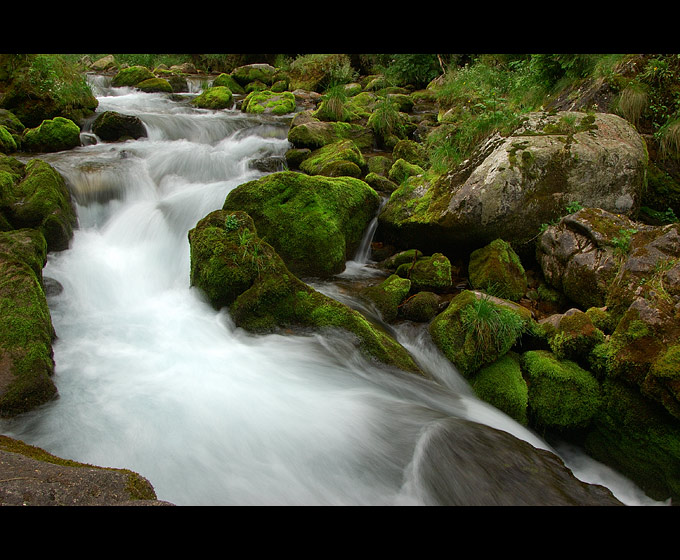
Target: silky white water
<point>153,379</point>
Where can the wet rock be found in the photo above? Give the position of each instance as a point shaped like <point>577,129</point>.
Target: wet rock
<point>112,126</point>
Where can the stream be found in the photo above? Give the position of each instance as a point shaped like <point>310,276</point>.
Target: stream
<point>153,379</point>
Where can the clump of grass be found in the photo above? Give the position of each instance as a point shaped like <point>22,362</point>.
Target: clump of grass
<point>492,325</point>
<point>669,140</point>
<point>632,102</point>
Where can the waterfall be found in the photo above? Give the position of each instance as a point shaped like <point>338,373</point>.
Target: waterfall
<point>153,379</point>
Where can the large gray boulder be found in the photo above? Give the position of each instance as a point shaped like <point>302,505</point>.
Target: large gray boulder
<point>513,185</point>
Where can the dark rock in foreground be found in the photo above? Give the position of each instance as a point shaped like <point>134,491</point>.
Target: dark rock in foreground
<point>455,468</point>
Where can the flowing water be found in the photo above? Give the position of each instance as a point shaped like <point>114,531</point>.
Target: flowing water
<point>153,379</point>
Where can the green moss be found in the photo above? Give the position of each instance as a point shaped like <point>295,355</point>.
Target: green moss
<point>421,307</point>
<point>265,101</point>
<point>497,269</point>
<point>431,273</point>
<point>160,85</point>
<point>474,331</point>
<point>388,295</point>
<point>562,395</point>
<point>402,169</point>
<point>324,160</point>
<point>7,142</point>
<point>501,384</point>
<point>317,134</point>
<point>131,76</point>
<point>228,81</point>
<point>52,135</point>
<point>315,223</point>
<point>663,381</point>
<point>575,337</point>
<point>219,97</point>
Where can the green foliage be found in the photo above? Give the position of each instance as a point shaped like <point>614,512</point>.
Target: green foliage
<point>491,325</point>
<point>622,241</point>
<point>669,139</point>
<point>412,69</point>
<point>55,76</point>
<point>385,120</point>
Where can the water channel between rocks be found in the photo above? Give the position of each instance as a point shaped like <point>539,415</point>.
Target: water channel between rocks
<point>153,379</point>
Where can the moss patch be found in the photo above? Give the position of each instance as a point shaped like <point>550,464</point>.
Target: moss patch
<point>501,384</point>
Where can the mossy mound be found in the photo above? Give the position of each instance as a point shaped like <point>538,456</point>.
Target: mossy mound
<point>226,80</point>
<point>7,142</point>
<point>421,307</point>
<point>497,269</point>
<point>316,134</point>
<point>388,295</point>
<point>562,395</point>
<point>131,76</point>
<point>257,72</point>
<point>335,160</point>
<point>315,223</point>
<point>501,384</point>
<point>411,152</point>
<point>53,135</point>
<point>269,102</point>
<point>219,97</point>
<point>431,273</point>
<point>475,330</point>
<point>402,170</point>
<point>26,330</point>
<point>34,195</point>
<point>155,85</point>
<point>575,337</point>
<point>237,269</point>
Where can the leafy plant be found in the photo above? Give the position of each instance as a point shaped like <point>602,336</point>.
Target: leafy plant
<point>231,223</point>
<point>622,241</point>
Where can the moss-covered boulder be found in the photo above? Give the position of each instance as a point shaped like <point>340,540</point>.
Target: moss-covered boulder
<point>421,307</point>
<point>315,134</point>
<point>226,80</point>
<point>380,183</point>
<point>402,170</point>
<point>562,395</point>
<point>638,438</point>
<point>259,72</point>
<point>315,223</point>
<point>269,102</point>
<point>497,269</point>
<point>7,142</point>
<point>432,273</point>
<point>131,76</point>
<point>112,126</point>
<point>35,196</point>
<point>237,269</point>
<point>13,125</point>
<point>574,337</point>
<point>388,295</point>
<point>155,85</point>
<point>502,385</point>
<point>219,97</point>
<point>53,135</point>
<point>26,330</point>
<point>314,72</point>
<point>475,330</point>
<point>411,152</point>
<point>335,160</point>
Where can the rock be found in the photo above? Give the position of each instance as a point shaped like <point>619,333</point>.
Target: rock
<point>53,135</point>
<point>155,85</point>
<point>562,395</point>
<point>269,102</point>
<point>402,170</point>
<point>26,331</point>
<point>235,268</point>
<point>38,198</point>
<point>511,186</point>
<point>421,307</point>
<point>574,337</point>
<point>184,68</point>
<point>502,385</point>
<point>336,159</point>
<point>431,273</point>
<point>475,330</point>
<point>388,295</point>
<point>112,126</point>
<point>228,81</point>
<point>497,269</point>
<point>216,98</point>
<point>454,468</point>
<point>411,152</point>
<point>33,477</point>
<point>7,142</point>
<point>103,64</point>
<point>248,73</point>
<point>316,134</point>
<point>131,76</point>
<point>314,223</point>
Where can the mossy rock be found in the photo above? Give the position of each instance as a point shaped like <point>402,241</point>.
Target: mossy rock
<point>155,85</point>
<point>7,142</point>
<point>269,102</point>
<point>379,164</point>
<point>475,330</point>
<point>431,273</point>
<point>131,76</point>
<point>216,98</point>
<point>388,295</point>
<point>26,330</point>
<point>38,198</point>
<point>315,223</point>
<point>502,385</point>
<point>575,337</point>
<point>315,134</point>
<point>235,268</point>
<point>411,152</point>
<point>228,81</point>
<point>497,269</point>
<point>409,256</point>
<point>562,395</point>
<point>402,170</point>
<point>421,307</point>
<point>53,135</point>
<point>380,183</point>
<point>331,160</point>
<point>248,73</point>
<point>638,438</point>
